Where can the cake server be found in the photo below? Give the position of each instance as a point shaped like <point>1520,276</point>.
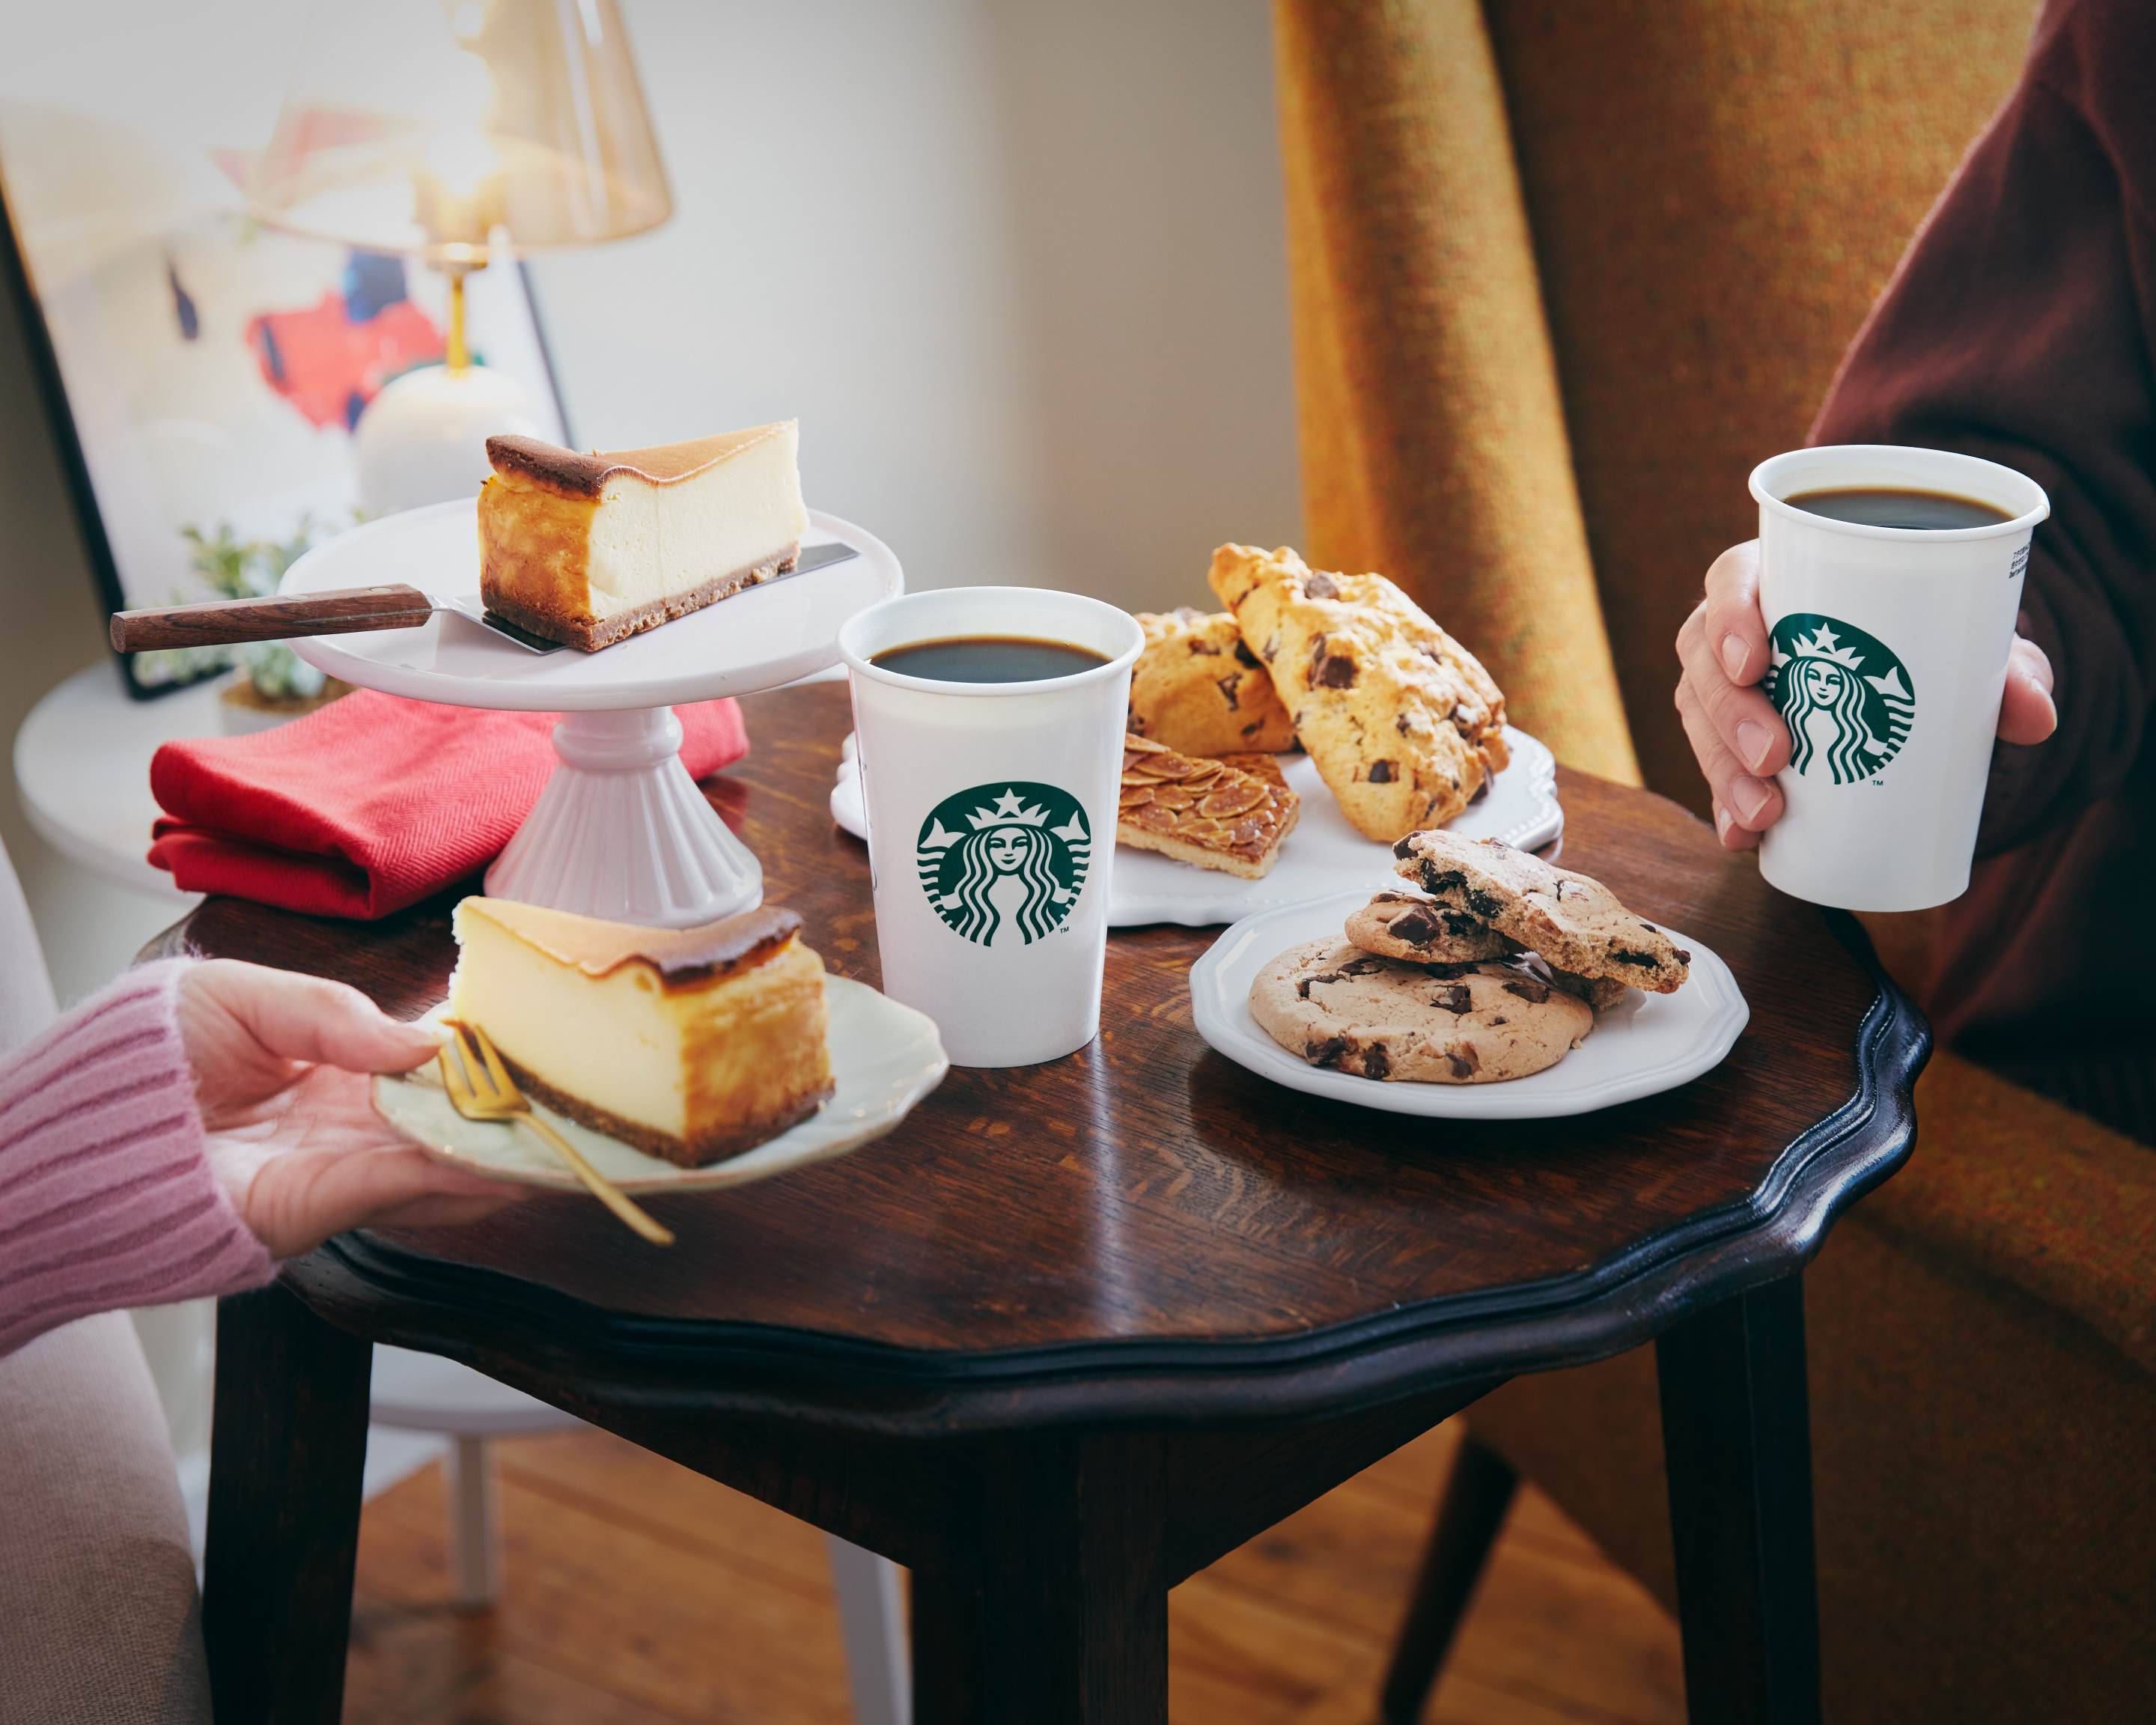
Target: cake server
<point>350,610</point>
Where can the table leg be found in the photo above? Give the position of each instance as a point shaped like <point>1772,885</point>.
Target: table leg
<point>1058,1616</point>
<point>1476,1497</point>
<point>944,1631</point>
<point>1737,1441</point>
<point>288,1445</point>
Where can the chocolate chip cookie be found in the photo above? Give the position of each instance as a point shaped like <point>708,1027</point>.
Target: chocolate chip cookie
<point>1403,925</point>
<point>1198,690</point>
<point>1335,1005</point>
<point>1572,920</point>
<point>1404,725</point>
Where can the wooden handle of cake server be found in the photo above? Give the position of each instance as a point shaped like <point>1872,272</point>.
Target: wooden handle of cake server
<point>223,622</point>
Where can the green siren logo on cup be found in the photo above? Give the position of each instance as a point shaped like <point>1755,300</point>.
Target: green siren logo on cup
<point>1003,864</point>
<point>1845,697</point>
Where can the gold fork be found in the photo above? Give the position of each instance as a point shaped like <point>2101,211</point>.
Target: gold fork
<point>479,1088</point>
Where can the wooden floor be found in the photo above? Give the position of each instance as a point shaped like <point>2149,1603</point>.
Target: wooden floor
<point>638,1593</point>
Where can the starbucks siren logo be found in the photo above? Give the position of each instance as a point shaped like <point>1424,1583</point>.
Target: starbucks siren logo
<point>1845,697</point>
<point>1003,864</point>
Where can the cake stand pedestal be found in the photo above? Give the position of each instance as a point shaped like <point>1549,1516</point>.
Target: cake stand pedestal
<point>620,830</point>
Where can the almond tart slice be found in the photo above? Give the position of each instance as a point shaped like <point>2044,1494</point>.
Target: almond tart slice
<point>1201,812</point>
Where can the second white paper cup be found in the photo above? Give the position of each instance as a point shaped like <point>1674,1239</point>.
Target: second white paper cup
<point>1889,648</point>
<point>991,813</point>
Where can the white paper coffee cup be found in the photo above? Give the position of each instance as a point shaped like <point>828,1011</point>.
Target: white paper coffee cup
<point>990,814</point>
<point>1889,660</point>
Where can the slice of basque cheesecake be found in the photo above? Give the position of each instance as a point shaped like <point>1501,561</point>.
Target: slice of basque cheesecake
<point>692,1043</point>
<point>586,549</point>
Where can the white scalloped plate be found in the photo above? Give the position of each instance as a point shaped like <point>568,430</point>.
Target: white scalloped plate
<point>1323,854</point>
<point>884,1058</point>
<point>1645,1044</point>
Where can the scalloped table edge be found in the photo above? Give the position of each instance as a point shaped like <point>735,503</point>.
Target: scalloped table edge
<point>842,1382</point>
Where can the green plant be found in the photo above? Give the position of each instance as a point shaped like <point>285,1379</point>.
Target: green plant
<point>237,568</point>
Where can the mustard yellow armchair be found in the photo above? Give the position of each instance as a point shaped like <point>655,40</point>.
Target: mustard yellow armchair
<point>1562,273</point>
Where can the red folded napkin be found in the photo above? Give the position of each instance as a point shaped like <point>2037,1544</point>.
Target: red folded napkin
<point>372,803</point>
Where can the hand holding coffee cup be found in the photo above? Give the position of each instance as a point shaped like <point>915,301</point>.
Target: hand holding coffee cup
<point>1736,735</point>
<point>1929,548</point>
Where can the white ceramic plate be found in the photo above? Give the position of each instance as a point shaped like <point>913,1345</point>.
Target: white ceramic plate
<point>884,1058</point>
<point>767,636</point>
<point>1647,1043</point>
<point>1323,854</point>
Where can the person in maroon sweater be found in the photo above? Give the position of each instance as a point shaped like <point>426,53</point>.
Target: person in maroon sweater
<point>2021,327</point>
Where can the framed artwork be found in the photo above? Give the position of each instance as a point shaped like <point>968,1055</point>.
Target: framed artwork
<point>202,374</point>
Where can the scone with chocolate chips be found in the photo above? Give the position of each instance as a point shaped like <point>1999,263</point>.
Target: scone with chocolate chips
<point>1403,925</point>
<point>1198,690</point>
<point>1335,1005</point>
<point>1404,723</point>
<point>1572,920</point>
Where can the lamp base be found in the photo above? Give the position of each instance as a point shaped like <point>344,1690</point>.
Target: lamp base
<point>422,439</point>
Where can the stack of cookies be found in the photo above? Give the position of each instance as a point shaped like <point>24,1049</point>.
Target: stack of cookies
<point>1402,723</point>
<point>1495,970</point>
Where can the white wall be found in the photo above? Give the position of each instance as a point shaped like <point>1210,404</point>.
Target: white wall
<point>1017,267</point>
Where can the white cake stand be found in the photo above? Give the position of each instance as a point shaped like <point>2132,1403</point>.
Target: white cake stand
<point>621,830</point>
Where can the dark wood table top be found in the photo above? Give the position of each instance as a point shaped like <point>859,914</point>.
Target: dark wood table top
<point>1145,1229</point>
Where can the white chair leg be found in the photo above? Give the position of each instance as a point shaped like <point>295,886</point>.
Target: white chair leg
<point>872,1614</point>
<point>475,1533</point>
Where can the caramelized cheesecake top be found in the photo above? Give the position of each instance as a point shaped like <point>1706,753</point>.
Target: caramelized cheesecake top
<point>569,473</point>
<point>682,957</point>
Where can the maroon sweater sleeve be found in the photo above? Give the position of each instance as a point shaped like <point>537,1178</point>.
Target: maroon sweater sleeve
<point>2021,326</point>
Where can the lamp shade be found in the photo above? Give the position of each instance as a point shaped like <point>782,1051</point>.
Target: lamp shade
<point>446,129</point>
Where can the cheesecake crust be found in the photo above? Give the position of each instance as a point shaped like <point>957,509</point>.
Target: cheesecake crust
<point>574,626</point>
<point>736,1138</point>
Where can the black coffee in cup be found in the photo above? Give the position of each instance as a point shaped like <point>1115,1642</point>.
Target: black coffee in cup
<point>1887,507</point>
<point>988,659</point>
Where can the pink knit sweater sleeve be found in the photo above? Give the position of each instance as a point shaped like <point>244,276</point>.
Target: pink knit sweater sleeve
<point>107,1196</point>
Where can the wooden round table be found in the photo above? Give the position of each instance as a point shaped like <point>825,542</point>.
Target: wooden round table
<point>1075,1331</point>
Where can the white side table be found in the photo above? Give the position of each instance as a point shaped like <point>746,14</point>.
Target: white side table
<point>82,770</point>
